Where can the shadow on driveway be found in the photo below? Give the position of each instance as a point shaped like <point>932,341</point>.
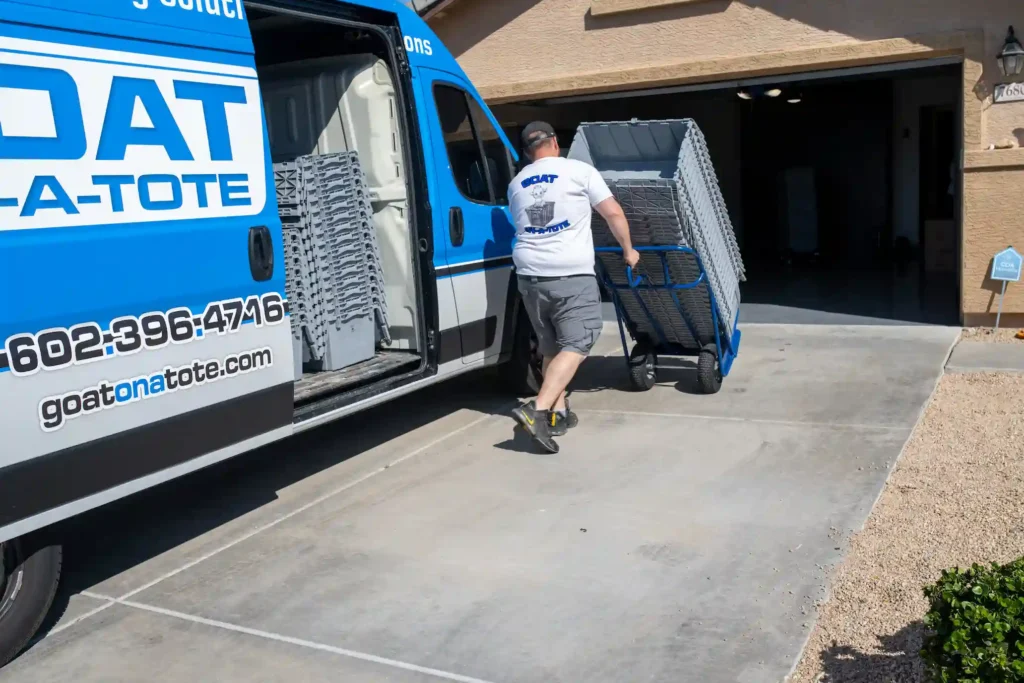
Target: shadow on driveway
<point>600,373</point>
<point>110,540</point>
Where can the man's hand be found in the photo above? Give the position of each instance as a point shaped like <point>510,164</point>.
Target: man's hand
<point>631,257</point>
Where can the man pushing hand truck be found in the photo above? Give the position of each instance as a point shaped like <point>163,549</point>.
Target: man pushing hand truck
<point>551,201</point>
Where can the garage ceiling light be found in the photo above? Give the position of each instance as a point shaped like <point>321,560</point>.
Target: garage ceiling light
<point>794,100</point>
<point>755,91</point>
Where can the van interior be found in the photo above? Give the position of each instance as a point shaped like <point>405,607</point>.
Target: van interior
<point>330,86</point>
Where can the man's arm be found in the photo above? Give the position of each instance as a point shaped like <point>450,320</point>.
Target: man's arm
<point>612,213</point>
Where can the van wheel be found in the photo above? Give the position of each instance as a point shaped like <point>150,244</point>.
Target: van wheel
<point>31,572</point>
<point>523,372</point>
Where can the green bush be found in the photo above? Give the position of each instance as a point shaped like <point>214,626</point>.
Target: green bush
<point>976,624</point>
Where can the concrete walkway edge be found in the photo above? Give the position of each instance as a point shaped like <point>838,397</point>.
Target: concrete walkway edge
<point>986,357</point>
<point>830,584</point>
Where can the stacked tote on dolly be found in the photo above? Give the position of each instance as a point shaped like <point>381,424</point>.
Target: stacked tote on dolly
<point>333,275</point>
<point>683,298</point>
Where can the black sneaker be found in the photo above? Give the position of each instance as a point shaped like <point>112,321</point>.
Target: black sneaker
<point>561,424</point>
<point>571,419</point>
<point>535,422</point>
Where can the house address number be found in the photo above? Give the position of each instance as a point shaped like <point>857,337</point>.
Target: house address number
<point>1009,92</point>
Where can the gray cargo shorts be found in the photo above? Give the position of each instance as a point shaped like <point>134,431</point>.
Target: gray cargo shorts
<point>565,312</point>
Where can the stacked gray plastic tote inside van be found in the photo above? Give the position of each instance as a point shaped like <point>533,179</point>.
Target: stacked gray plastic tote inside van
<point>661,174</point>
<point>333,276</point>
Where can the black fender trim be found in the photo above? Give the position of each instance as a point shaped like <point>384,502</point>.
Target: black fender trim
<point>42,483</point>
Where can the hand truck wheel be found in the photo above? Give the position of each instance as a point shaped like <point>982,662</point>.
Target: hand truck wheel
<point>709,370</point>
<point>643,367</point>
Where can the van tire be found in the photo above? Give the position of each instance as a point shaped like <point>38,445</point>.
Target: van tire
<point>32,568</point>
<point>521,373</point>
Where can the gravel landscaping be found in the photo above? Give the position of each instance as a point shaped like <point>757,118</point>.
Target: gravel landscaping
<point>955,497</point>
<point>987,334</point>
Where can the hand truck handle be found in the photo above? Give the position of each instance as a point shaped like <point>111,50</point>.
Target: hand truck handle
<point>629,277</point>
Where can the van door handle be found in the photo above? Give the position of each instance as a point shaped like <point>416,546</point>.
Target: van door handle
<point>261,253</point>
<point>456,226</point>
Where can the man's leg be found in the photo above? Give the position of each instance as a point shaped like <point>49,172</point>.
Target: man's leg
<point>533,420</point>
<point>557,375</point>
<point>560,401</point>
<point>576,316</point>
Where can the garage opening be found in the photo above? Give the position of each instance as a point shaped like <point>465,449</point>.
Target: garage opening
<point>844,189</point>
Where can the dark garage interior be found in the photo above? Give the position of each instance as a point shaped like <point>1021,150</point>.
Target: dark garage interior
<point>843,189</point>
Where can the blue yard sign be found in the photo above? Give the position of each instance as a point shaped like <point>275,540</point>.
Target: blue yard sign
<point>1006,265</point>
<point>1006,268</point>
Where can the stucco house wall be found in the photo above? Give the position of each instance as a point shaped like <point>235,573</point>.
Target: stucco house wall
<point>521,50</point>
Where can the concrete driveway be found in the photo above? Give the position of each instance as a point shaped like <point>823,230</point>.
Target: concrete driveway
<point>676,537</point>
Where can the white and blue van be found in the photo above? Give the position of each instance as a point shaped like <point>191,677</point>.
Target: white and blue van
<point>144,322</point>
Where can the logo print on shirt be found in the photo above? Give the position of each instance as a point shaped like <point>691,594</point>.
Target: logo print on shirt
<point>540,212</point>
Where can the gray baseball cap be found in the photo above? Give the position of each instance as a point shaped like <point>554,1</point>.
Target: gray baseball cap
<point>536,132</point>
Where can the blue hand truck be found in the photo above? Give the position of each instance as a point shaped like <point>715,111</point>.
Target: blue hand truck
<point>714,356</point>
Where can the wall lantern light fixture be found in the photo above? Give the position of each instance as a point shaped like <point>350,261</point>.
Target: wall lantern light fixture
<point>1011,57</point>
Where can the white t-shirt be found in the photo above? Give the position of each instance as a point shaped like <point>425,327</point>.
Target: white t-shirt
<point>551,202</point>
